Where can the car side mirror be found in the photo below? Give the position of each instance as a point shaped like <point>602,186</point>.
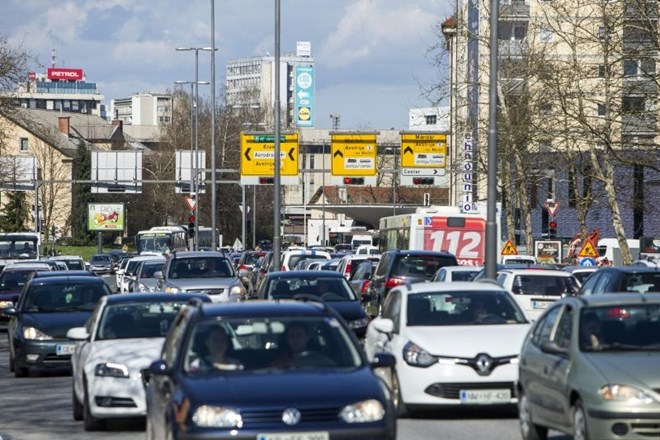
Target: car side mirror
<point>383,360</point>
<point>385,326</point>
<point>551,347</point>
<point>77,334</point>
<point>10,311</point>
<point>158,368</point>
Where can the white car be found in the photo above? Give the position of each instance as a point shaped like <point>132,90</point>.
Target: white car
<point>123,336</point>
<point>291,258</point>
<point>536,289</point>
<point>455,344</point>
<point>456,273</point>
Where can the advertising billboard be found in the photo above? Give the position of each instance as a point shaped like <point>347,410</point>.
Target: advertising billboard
<point>304,77</point>
<point>62,74</point>
<point>105,217</point>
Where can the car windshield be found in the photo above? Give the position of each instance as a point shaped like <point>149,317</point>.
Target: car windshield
<point>137,320</point>
<point>68,297</point>
<point>620,328</point>
<point>295,259</point>
<point>74,264</point>
<point>238,344</point>
<point>201,267</point>
<point>149,269</point>
<point>642,282</point>
<point>462,308</point>
<point>100,259</point>
<point>543,285</point>
<point>14,280</point>
<point>420,266</point>
<point>328,289</point>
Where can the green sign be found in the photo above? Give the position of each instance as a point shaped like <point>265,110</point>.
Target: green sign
<point>268,138</point>
<point>105,217</point>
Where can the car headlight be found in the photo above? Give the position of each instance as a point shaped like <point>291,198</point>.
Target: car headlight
<point>416,356</point>
<point>5,304</point>
<point>625,393</point>
<point>111,369</point>
<point>237,290</point>
<point>208,416</point>
<point>172,289</point>
<point>35,333</point>
<point>357,323</point>
<point>363,412</point>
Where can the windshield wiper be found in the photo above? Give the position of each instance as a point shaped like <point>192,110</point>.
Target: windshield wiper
<point>616,346</point>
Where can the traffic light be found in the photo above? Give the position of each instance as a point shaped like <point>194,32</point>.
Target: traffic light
<point>266,180</point>
<point>423,180</point>
<point>353,180</point>
<point>191,229</point>
<point>191,219</point>
<point>552,229</point>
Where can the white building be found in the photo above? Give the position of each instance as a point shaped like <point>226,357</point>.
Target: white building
<point>143,113</point>
<point>429,119</point>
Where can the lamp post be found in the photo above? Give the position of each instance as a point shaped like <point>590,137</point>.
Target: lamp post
<point>213,175</point>
<point>277,238</point>
<point>196,180</point>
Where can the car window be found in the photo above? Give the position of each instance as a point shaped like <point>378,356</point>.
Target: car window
<point>384,265</point>
<point>545,327</point>
<point>542,285</point>
<point>396,312</point>
<point>148,270</point>
<point>620,327</point>
<point>201,267</point>
<point>63,297</point>
<point>420,266</point>
<point>14,280</point>
<point>137,320</point>
<point>590,283</point>
<point>642,282</point>
<point>329,289</point>
<point>172,344</point>
<point>564,330</point>
<point>603,282</point>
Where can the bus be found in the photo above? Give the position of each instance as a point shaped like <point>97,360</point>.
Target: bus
<point>161,239</point>
<point>205,237</point>
<point>437,228</point>
<point>16,246</point>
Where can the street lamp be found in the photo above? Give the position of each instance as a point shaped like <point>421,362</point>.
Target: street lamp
<point>196,49</point>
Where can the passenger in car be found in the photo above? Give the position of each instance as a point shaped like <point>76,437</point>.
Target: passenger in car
<point>215,350</point>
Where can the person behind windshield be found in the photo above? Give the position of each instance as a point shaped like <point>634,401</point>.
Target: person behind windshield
<point>294,342</point>
<point>214,352</point>
<point>591,331</point>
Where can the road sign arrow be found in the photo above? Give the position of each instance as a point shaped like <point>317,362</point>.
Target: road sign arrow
<point>302,94</point>
<point>408,150</point>
<point>338,153</point>
<point>435,172</point>
<point>291,153</point>
<point>247,154</point>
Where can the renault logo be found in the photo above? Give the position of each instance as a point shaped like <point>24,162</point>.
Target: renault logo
<point>484,364</point>
<point>291,416</point>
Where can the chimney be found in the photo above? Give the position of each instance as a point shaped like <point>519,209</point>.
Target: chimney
<point>63,123</point>
<point>118,123</point>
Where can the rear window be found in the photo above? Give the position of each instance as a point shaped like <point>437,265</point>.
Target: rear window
<point>642,282</point>
<point>543,285</point>
<point>421,265</point>
<point>295,259</point>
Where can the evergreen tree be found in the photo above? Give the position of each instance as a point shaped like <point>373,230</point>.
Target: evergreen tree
<point>16,213</point>
<point>81,196</point>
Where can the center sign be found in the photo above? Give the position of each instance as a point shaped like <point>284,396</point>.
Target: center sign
<point>258,157</point>
<point>353,155</point>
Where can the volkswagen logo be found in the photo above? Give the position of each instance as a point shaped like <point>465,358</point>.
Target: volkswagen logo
<point>291,416</point>
<point>484,364</point>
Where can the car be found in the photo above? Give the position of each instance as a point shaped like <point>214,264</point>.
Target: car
<point>536,289</point>
<point>361,277</point>
<point>145,275</point>
<point>254,274</point>
<point>455,344</point>
<point>119,272</point>
<point>343,248</point>
<point>200,271</point>
<point>277,370</point>
<point>122,338</point>
<point>330,264</point>
<point>69,273</point>
<point>588,367</point>
<point>73,262</point>
<point>622,279</point>
<point>519,259</point>
<point>580,272</point>
<point>366,249</point>
<point>246,264</point>
<point>130,271</point>
<point>328,286</point>
<point>306,264</point>
<point>349,263</point>
<point>102,264</point>
<point>404,266</point>
<point>12,279</point>
<point>52,264</point>
<point>456,273</point>
<point>291,258</point>
<point>46,309</point>
<point>648,260</point>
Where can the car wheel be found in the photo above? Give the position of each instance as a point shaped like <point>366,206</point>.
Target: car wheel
<point>529,430</point>
<point>401,409</point>
<point>20,371</point>
<point>77,406</point>
<point>11,362</point>
<point>91,422</point>
<point>580,431</point>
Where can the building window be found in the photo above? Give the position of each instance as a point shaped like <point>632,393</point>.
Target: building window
<point>602,110</point>
<point>431,119</point>
<point>545,108</point>
<point>545,146</point>
<point>24,144</point>
<point>546,35</point>
<point>632,104</point>
<point>631,68</point>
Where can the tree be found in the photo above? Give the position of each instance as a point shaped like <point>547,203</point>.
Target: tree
<point>15,213</point>
<point>81,196</point>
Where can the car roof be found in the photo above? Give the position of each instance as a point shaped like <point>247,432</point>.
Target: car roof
<point>155,296</point>
<point>538,271</point>
<point>418,252</point>
<point>461,268</point>
<point>630,269</point>
<point>614,299</point>
<point>454,286</point>
<point>68,273</point>
<point>305,274</point>
<point>573,269</point>
<point>14,267</point>
<point>66,278</point>
<point>65,257</point>
<point>192,254</point>
<point>259,308</point>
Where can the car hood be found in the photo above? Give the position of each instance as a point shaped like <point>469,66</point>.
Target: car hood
<point>55,324</point>
<point>467,341</point>
<point>349,310</point>
<point>203,283</point>
<point>303,388</point>
<point>632,368</point>
<point>135,353</point>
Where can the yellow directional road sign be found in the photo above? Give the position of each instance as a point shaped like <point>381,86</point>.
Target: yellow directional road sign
<point>258,154</point>
<point>423,150</point>
<point>353,154</point>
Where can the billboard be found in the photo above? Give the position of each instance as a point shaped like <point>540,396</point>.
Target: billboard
<point>304,90</point>
<point>105,217</point>
<point>59,73</point>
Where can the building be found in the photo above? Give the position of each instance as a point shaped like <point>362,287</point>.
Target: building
<point>251,82</point>
<point>429,119</point>
<point>143,114</point>
<point>60,89</point>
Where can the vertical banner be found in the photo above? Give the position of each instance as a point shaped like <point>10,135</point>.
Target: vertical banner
<point>304,77</point>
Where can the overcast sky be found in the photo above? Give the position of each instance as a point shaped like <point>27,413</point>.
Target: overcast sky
<point>371,55</point>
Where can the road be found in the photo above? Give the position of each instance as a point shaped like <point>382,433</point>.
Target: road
<point>39,408</point>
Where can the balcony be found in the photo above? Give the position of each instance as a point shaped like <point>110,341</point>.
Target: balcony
<point>639,124</point>
<point>514,9</point>
<point>512,48</point>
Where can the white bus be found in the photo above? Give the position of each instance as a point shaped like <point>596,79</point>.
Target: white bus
<point>160,239</point>
<point>437,228</point>
<point>16,246</point>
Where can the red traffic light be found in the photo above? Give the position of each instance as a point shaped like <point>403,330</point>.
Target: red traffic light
<point>423,180</point>
<point>191,218</point>
<point>353,180</point>
<point>553,224</point>
<point>266,180</point>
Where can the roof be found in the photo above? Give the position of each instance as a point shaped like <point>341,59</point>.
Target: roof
<point>418,252</point>
<point>454,286</point>
<point>76,279</point>
<point>192,254</point>
<point>616,299</point>
<point>154,297</point>
<point>258,308</point>
<point>305,274</point>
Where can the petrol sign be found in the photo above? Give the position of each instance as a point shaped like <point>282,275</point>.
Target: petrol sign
<point>258,154</point>
<point>353,154</point>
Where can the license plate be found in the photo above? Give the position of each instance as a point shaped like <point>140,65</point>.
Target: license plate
<point>64,349</point>
<point>319,435</point>
<point>540,304</point>
<point>485,396</point>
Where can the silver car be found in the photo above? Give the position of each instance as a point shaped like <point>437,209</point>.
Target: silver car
<point>207,272</point>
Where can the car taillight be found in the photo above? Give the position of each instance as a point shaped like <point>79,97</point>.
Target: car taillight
<point>393,282</point>
<point>283,267</point>
<point>242,267</point>
<point>365,286</point>
<point>347,271</point>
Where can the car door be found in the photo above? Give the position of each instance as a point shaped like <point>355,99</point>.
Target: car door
<point>84,349</point>
<point>375,341</point>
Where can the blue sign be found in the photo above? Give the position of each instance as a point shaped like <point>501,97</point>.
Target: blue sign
<point>304,90</point>
<point>587,262</point>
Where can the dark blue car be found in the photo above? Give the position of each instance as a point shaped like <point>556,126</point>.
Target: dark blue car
<point>266,370</point>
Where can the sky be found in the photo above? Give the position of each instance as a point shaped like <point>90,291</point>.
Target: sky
<point>372,56</point>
